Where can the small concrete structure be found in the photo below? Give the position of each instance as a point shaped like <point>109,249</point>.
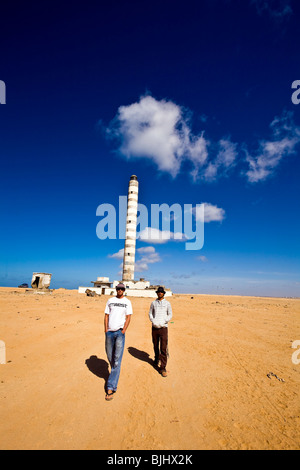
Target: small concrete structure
<point>102,282</point>
<point>2,353</point>
<point>100,286</point>
<point>41,280</point>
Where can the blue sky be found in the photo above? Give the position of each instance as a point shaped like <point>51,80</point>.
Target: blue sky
<point>194,98</point>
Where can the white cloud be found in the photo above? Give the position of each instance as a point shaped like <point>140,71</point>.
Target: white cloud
<point>225,159</point>
<point>285,138</point>
<point>152,129</point>
<point>146,249</point>
<point>154,235</point>
<point>277,9</point>
<point>160,131</point>
<point>149,256</point>
<point>118,255</point>
<point>227,153</point>
<point>211,213</point>
<point>202,258</point>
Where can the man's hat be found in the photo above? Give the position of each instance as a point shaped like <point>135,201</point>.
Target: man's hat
<point>160,289</point>
<point>120,286</point>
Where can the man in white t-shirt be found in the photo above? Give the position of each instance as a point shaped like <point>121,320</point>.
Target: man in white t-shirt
<point>118,313</point>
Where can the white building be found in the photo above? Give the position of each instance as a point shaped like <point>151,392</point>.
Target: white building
<point>41,280</point>
<point>139,288</point>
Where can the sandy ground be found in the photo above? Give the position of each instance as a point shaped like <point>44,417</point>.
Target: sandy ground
<point>217,394</point>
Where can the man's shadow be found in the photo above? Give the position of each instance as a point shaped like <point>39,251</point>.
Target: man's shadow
<point>141,355</point>
<point>99,367</point>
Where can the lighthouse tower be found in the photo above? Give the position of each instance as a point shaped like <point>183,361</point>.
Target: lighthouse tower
<point>130,235</point>
<point>134,288</point>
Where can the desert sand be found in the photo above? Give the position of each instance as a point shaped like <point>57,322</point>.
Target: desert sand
<point>219,393</point>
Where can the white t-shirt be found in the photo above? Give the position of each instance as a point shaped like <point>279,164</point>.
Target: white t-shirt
<point>117,309</point>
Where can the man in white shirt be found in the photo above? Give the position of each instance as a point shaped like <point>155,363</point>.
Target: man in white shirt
<point>118,312</point>
<point>160,314</point>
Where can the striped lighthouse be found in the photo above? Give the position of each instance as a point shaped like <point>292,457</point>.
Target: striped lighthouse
<point>130,236</point>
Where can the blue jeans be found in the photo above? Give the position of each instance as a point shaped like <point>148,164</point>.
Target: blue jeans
<point>114,345</point>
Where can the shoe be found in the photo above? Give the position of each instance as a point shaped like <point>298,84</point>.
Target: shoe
<point>164,373</point>
<point>109,396</point>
